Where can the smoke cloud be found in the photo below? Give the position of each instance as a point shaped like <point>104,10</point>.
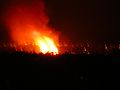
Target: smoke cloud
<point>23,18</point>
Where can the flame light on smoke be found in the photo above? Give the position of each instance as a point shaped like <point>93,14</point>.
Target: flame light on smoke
<point>28,23</point>
<point>46,45</point>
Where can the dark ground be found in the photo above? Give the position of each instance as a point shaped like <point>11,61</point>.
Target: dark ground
<point>77,72</point>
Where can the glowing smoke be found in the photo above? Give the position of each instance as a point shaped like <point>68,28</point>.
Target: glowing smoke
<point>27,21</point>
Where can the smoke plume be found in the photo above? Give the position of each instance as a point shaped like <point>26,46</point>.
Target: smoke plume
<point>27,20</point>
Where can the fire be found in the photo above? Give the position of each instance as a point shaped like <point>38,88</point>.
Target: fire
<point>46,45</point>
<point>28,27</point>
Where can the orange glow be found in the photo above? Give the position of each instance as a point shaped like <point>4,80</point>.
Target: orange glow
<point>46,45</point>
<point>28,28</point>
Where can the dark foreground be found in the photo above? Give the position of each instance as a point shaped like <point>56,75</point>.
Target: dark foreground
<point>20,71</point>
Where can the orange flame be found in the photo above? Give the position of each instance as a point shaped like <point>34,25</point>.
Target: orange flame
<point>46,45</point>
<point>29,24</point>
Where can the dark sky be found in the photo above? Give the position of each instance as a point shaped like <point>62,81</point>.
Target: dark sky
<point>81,20</point>
<point>94,20</point>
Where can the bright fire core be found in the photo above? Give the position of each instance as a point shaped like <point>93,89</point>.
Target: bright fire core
<point>46,45</point>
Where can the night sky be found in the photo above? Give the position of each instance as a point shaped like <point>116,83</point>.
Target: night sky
<point>78,20</point>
